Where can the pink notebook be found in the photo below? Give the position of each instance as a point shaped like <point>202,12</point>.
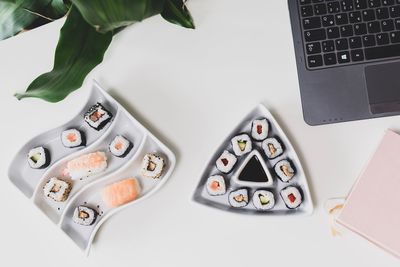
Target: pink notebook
<point>372,208</point>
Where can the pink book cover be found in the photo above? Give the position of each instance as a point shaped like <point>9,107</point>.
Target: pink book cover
<point>372,209</point>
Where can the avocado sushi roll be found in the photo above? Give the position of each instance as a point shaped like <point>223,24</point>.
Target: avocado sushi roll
<point>238,198</point>
<point>284,170</point>
<point>84,215</point>
<point>226,162</point>
<point>241,144</point>
<point>291,195</point>
<point>263,200</point>
<point>272,148</point>
<point>38,158</point>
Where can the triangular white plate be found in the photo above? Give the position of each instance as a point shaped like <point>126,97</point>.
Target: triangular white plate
<point>233,182</point>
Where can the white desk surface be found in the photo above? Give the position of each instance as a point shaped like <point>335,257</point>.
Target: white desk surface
<point>190,88</point>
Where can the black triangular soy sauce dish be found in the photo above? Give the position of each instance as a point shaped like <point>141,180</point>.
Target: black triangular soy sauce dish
<point>256,171</point>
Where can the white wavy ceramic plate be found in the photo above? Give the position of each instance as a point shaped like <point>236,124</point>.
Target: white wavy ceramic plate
<point>221,202</point>
<point>88,191</point>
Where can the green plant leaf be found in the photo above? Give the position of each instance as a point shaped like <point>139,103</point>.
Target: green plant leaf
<point>19,15</point>
<point>107,15</point>
<point>80,48</point>
<point>175,11</point>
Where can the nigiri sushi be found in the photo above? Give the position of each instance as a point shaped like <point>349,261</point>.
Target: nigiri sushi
<point>121,192</point>
<point>86,165</point>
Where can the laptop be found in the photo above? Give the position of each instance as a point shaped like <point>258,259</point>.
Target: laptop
<point>348,58</point>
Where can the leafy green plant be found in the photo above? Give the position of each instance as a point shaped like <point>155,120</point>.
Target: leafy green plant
<point>85,36</point>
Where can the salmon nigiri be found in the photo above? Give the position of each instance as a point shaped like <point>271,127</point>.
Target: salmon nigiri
<point>121,192</point>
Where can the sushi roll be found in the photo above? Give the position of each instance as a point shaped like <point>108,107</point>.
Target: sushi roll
<point>263,200</point>
<point>38,158</point>
<point>291,195</point>
<point>216,185</point>
<point>241,144</point>
<point>152,166</point>
<point>226,161</point>
<point>84,215</point>
<point>284,170</point>
<point>238,198</point>
<point>120,146</point>
<point>272,148</point>
<point>57,189</point>
<point>86,165</point>
<point>122,192</point>
<point>72,138</point>
<point>259,129</point>
<point>97,116</point>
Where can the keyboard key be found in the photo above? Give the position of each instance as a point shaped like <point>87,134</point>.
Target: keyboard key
<point>330,59</point>
<point>333,7</point>
<point>306,11</point>
<point>355,17</point>
<point>328,46</point>
<point>320,9</point>
<point>368,15</point>
<point>395,37</point>
<point>343,57</point>
<point>341,19</point>
<point>382,51</point>
<point>387,2</point>
<point>317,1</point>
<point>314,61</point>
<point>382,38</point>
<point>394,11</point>
<point>305,2</point>
<point>368,40</point>
<point>347,5</point>
<point>355,42</point>
<point>333,32</point>
<point>311,23</point>
<point>373,27</point>
<point>374,3</point>
<point>360,29</point>
<point>397,24</point>
<point>315,35</point>
<point>346,30</point>
<point>357,55</point>
<point>387,25</point>
<point>341,44</point>
<point>360,4</point>
<point>313,48</point>
<point>328,20</point>
<point>382,13</point>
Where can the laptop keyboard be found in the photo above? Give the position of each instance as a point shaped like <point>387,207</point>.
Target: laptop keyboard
<point>348,32</point>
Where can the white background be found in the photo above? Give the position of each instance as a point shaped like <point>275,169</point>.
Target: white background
<point>190,88</point>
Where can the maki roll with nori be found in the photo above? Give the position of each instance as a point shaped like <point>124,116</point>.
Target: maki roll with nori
<point>216,185</point>
<point>284,170</point>
<point>84,215</point>
<point>263,200</point>
<point>241,144</point>
<point>38,158</point>
<point>72,138</point>
<point>291,195</point>
<point>272,148</point>
<point>120,146</point>
<point>152,166</point>
<point>98,116</point>
<point>226,162</point>
<point>57,189</point>
<point>239,198</point>
<point>259,129</point>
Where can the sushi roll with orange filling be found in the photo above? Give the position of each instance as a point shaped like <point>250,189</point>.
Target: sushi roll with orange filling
<point>238,198</point>
<point>216,185</point>
<point>72,138</point>
<point>97,116</point>
<point>120,146</point>
<point>152,166</point>
<point>84,216</point>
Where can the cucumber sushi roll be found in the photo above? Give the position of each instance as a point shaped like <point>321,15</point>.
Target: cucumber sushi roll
<point>263,200</point>
<point>152,166</point>
<point>292,197</point>
<point>38,157</point>
<point>241,144</point>
<point>226,162</point>
<point>284,170</point>
<point>98,116</point>
<point>259,129</point>
<point>120,146</point>
<point>84,215</point>
<point>216,185</point>
<point>238,198</point>
<point>72,138</point>
<point>272,148</point>
<point>57,189</point>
